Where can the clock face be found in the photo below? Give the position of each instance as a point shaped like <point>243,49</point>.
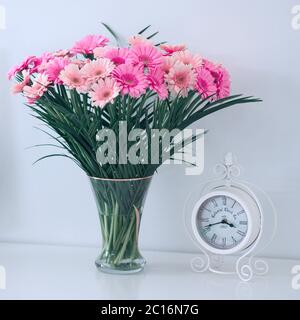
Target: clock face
<point>222,222</point>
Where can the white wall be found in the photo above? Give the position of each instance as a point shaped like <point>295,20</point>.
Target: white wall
<point>52,203</point>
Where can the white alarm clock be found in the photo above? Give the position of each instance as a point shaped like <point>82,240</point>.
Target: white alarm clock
<point>226,220</point>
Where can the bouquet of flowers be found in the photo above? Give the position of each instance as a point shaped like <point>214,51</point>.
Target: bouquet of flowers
<point>92,87</point>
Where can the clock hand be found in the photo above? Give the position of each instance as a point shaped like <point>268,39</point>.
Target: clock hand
<point>214,224</point>
<point>231,225</point>
<point>224,221</point>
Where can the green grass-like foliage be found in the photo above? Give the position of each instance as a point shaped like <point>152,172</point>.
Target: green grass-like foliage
<point>77,123</point>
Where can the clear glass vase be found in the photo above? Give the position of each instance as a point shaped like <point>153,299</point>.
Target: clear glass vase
<point>120,204</point>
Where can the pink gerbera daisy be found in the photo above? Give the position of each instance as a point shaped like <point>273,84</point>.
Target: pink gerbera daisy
<point>62,54</point>
<point>19,87</point>
<point>131,80</point>
<point>169,49</point>
<point>97,69</point>
<point>223,83</point>
<point>37,90</point>
<point>156,83</point>
<point>89,43</point>
<point>117,56</point>
<point>167,64</point>
<point>139,40</point>
<point>104,92</point>
<point>100,52</point>
<point>45,59</point>
<point>221,76</point>
<point>145,56</point>
<point>54,68</point>
<point>80,63</point>
<point>186,57</point>
<point>31,64</point>
<point>180,79</point>
<point>211,67</point>
<point>205,83</point>
<point>72,77</point>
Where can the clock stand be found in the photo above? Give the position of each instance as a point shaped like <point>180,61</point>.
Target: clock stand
<point>244,263</point>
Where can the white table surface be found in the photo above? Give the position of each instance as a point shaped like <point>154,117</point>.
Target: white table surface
<point>53,272</point>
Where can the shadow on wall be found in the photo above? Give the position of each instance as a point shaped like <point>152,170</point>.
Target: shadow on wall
<point>8,188</point>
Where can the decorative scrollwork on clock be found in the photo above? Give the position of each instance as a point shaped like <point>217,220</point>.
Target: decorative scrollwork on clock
<point>200,263</point>
<point>228,170</point>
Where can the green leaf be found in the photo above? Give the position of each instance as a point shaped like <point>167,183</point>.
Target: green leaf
<point>153,35</point>
<point>145,29</point>
<point>54,155</point>
<point>112,32</point>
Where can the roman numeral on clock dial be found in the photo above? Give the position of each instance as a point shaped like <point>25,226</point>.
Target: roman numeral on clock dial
<point>214,238</point>
<point>206,229</point>
<point>241,233</point>
<point>224,240</point>
<point>214,203</point>
<point>224,201</point>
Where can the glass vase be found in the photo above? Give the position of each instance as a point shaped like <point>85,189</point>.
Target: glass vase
<point>120,205</point>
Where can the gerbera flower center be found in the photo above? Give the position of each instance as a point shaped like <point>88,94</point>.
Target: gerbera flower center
<point>106,94</point>
<point>202,83</point>
<point>146,60</point>
<point>180,79</point>
<point>99,72</point>
<point>118,60</point>
<point>75,80</point>
<point>130,80</point>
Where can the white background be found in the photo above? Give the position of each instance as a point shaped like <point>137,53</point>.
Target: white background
<point>52,203</point>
